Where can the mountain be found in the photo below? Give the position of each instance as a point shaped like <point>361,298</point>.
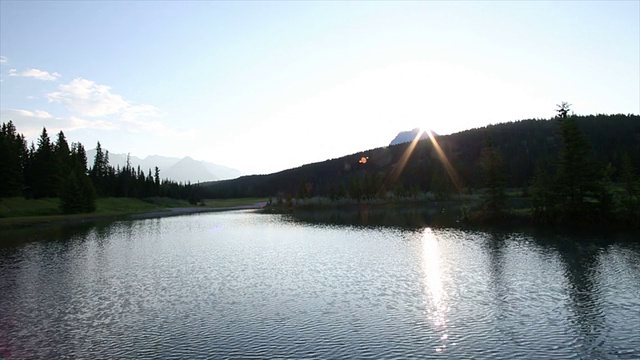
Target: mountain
<point>187,169</point>
<point>181,170</point>
<point>408,136</point>
<point>523,145</point>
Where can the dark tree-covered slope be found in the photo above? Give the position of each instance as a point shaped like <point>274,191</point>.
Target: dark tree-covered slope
<point>522,145</point>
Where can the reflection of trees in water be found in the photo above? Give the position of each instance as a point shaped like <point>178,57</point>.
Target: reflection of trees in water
<point>405,217</point>
<point>582,319</point>
<point>61,269</point>
<point>580,260</point>
<point>46,256</point>
<point>495,252</point>
<point>498,285</point>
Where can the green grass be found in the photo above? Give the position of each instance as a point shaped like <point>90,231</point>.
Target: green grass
<point>233,202</point>
<point>124,206</point>
<point>167,202</point>
<point>20,212</point>
<point>21,207</point>
<point>18,207</point>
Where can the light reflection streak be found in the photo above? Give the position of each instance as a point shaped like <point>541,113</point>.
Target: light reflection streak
<point>397,170</point>
<point>451,171</point>
<point>433,286</point>
<point>445,162</point>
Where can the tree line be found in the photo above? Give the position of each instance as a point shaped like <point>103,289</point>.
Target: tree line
<point>57,169</point>
<point>568,168</point>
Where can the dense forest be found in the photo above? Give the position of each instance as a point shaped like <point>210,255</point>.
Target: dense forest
<point>57,169</point>
<point>536,157</point>
<point>569,168</point>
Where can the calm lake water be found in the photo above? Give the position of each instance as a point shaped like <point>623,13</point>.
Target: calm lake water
<point>247,285</point>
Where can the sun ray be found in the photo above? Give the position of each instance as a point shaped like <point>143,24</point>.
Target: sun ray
<point>451,171</point>
<point>397,170</point>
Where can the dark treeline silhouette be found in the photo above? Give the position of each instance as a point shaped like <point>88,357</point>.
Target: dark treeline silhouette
<point>55,169</point>
<point>595,151</point>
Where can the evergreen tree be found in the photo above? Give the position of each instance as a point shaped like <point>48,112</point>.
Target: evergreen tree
<point>491,163</point>
<point>78,193</point>
<point>99,173</point>
<point>577,176</point>
<point>43,172</point>
<point>29,172</point>
<point>544,195</point>
<point>630,201</point>
<point>156,180</point>
<point>78,158</point>
<point>61,161</point>
<point>71,197</point>
<point>88,194</point>
<point>13,153</point>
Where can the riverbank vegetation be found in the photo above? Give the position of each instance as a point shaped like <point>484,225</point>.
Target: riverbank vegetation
<point>567,170</point>
<point>57,170</point>
<point>18,212</point>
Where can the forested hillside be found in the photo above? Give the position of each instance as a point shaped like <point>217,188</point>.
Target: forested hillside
<point>55,169</point>
<point>523,145</point>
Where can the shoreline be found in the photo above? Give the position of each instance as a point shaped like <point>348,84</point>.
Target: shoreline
<point>58,220</point>
<point>177,211</point>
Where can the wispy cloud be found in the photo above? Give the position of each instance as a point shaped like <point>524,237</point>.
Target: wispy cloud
<point>94,106</point>
<point>87,98</point>
<point>30,123</point>
<point>35,74</point>
<point>36,114</point>
<point>3,60</point>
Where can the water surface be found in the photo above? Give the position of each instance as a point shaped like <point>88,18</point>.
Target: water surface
<point>243,285</point>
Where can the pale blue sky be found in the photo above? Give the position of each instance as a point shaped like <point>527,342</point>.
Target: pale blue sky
<point>264,86</point>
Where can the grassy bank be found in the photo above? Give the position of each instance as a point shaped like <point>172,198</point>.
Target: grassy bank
<point>18,212</point>
<point>216,203</point>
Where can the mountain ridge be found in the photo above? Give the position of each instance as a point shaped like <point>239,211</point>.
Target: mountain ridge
<point>408,136</point>
<point>523,144</point>
<point>183,170</point>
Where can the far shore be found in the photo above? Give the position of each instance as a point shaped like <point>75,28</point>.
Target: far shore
<point>54,220</point>
<point>177,211</point>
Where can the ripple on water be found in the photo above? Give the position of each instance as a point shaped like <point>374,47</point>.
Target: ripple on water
<point>241,285</point>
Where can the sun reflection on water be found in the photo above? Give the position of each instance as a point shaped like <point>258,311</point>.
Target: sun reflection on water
<point>433,286</point>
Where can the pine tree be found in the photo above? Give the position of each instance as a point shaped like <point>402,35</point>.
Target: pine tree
<point>491,163</point>
<point>544,195</point>
<point>78,193</point>
<point>71,199</point>
<point>61,161</point>
<point>630,201</point>
<point>13,151</point>
<point>43,171</point>
<point>577,175</point>
<point>100,170</point>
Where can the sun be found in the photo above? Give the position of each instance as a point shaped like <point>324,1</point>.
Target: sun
<point>424,130</point>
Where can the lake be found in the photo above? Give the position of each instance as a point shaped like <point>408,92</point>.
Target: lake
<point>247,285</point>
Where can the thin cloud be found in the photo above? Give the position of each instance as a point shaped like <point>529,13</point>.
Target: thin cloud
<point>19,113</point>
<point>87,98</point>
<point>36,74</point>
<point>3,60</point>
<point>30,123</point>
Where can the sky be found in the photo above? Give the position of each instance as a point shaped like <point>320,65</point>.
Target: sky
<point>265,86</point>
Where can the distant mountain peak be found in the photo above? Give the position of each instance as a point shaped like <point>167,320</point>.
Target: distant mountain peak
<point>184,169</point>
<point>408,136</point>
